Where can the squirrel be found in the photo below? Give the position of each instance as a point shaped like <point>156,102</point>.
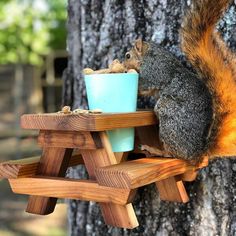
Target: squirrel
<point>196,111</point>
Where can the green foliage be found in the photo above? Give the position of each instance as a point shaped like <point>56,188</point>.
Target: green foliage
<point>30,29</point>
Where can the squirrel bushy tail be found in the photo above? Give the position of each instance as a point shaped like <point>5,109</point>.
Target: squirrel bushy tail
<point>228,55</point>
<point>210,56</point>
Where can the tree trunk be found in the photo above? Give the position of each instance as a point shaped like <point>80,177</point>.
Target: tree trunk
<point>100,31</point>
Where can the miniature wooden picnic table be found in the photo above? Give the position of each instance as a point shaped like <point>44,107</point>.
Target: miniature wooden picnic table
<point>113,181</point>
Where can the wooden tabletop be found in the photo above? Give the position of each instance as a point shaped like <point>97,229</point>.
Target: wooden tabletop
<point>87,122</point>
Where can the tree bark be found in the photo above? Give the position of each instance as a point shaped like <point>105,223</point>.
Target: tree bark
<point>100,31</point>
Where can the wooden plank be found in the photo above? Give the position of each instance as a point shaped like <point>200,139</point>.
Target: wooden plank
<point>71,139</point>
<point>189,176</point>
<point>87,122</point>
<point>172,189</point>
<point>54,162</point>
<point>137,173</point>
<point>122,216</point>
<point>114,214</point>
<point>98,157</point>
<point>27,167</point>
<point>121,156</point>
<point>72,189</point>
<point>203,163</point>
<point>125,120</point>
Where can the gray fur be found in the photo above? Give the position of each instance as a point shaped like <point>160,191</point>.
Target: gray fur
<point>184,108</point>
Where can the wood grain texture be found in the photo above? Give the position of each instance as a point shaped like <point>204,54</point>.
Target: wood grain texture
<point>189,176</point>
<point>133,174</point>
<point>148,135</point>
<point>114,214</point>
<point>54,162</point>
<point>99,157</point>
<point>68,188</point>
<point>172,189</point>
<point>122,216</point>
<point>67,139</point>
<point>121,156</point>
<point>87,122</point>
<point>27,167</point>
<point>203,163</point>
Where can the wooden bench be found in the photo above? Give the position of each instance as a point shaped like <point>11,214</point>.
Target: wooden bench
<point>111,183</point>
<point>27,167</point>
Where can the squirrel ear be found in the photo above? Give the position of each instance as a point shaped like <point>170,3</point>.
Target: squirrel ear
<point>138,45</point>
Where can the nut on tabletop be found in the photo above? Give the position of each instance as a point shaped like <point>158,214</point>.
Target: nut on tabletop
<point>80,111</point>
<point>65,110</point>
<point>96,111</point>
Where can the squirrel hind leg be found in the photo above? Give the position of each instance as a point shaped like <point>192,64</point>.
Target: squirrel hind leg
<point>155,151</point>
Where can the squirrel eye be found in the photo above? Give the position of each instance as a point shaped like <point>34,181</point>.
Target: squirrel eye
<point>127,55</point>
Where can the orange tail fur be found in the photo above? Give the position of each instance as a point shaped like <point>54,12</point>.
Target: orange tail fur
<point>205,50</point>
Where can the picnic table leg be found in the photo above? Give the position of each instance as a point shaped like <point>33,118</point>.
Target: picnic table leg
<point>172,189</point>
<point>54,162</point>
<point>114,214</point>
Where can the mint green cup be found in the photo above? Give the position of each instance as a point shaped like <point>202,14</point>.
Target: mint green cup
<point>114,93</point>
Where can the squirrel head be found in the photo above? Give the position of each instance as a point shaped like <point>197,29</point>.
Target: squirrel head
<point>133,58</point>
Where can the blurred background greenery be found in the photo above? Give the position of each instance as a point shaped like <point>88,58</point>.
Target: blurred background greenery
<point>32,60</point>
<point>31,29</point>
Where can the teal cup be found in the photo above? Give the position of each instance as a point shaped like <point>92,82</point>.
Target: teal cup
<point>114,93</point>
